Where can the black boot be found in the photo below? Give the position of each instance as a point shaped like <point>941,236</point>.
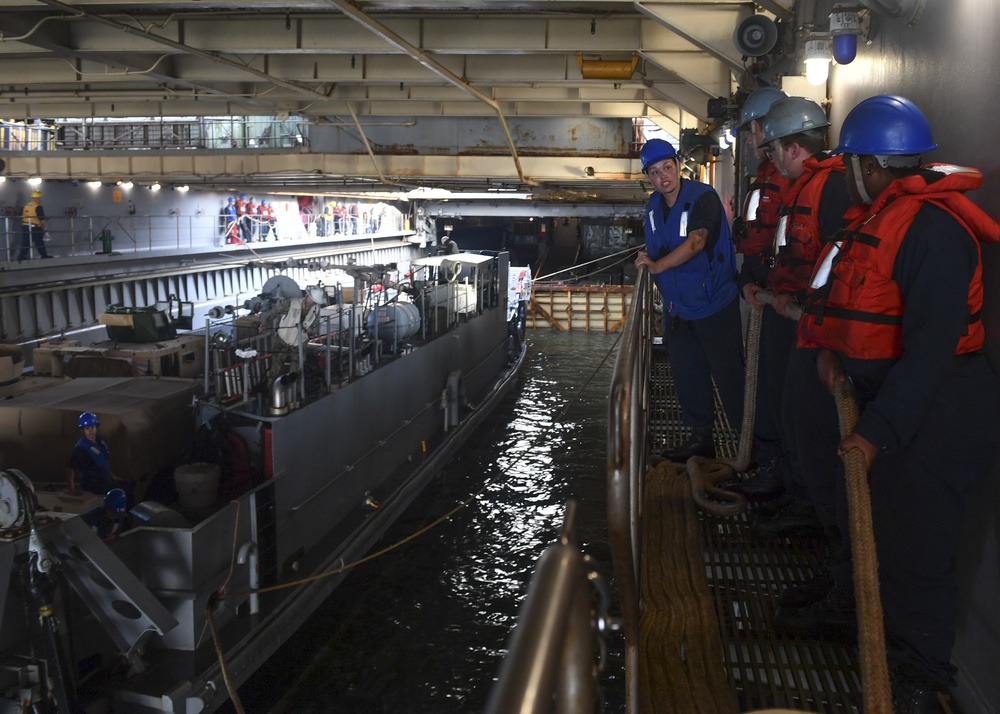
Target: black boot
<point>834,617</point>
<point>913,692</point>
<point>796,520</point>
<point>808,592</point>
<point>767,483</point>
<point>700,444</point>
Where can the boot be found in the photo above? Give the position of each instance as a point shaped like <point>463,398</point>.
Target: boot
<point>913,692</point>
<point>834,617</point>
<point>767,483</point>
<point>796,520</point>
<point>808,592</point>
<point>700,444</point>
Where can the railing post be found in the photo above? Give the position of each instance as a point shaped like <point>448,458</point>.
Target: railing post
<point>626,465</point>
<point>551,651</point>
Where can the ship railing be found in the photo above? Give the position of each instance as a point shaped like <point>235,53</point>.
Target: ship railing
<point>559,635</point>
<point>627,448</point>
<point>69,234</point>
<point>240,366</point>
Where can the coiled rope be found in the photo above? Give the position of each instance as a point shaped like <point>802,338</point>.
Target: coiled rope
<point>707,474</point>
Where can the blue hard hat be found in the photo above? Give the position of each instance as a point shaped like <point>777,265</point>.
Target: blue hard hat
<point>656,150</point>
<point>232,199</point>
<point>116,500</point>
<point>243,197</point>
<point>263,201</point>
<point>886,124</point>
<point>759,101</point>
<point>87,419</point>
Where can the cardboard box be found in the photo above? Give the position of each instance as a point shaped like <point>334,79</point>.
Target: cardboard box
<point>148,424</point>
<point>182,356</point>
<point>11,363</point>
<point>63,501</point>
<point>43,356</point>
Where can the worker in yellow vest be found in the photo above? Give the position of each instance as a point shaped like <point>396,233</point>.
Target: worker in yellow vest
<point>33,223</point>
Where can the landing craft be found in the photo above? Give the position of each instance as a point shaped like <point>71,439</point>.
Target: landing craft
<point>310,473</point>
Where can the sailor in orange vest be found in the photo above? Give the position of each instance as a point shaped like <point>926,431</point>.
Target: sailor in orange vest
<point>33,223</point>
<point>267,220</point>
<point>794,134</point>
<point>753,233</point>
<point>253,219</point>
<point>340,217</point>
<point>897,300</point>
<point>242,219</point>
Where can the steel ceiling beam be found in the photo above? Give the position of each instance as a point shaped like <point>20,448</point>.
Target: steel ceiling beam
<point>434,66</point>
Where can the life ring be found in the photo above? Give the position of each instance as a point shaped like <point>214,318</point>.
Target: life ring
<point>71,211</point>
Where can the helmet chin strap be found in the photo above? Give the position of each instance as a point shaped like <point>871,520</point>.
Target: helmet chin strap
<point>859,181</point>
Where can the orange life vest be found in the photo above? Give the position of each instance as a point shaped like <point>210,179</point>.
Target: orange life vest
<point>760,210</point>
<point>855,307</point>
<point>797,239</point>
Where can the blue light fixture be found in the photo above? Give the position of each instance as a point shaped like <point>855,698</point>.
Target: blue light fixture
<point>845,26</point>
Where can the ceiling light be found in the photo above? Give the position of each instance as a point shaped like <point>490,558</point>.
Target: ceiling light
<point>154,187</point>
<point>34,181</point>
<point>94,184</point>
<point>183,188</point>
<point>817,59</point>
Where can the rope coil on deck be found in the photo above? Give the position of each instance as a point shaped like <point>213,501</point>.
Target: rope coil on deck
<point>707,474</point>
<point>682,661</point>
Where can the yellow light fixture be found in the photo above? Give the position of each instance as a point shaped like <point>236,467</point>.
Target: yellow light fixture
<point>607,69</point>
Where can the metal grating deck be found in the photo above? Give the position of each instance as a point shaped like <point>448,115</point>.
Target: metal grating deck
<point>764,669</point>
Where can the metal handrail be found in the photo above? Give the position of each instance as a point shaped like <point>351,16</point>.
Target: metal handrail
<point>147,233</point>
<point>551,652</point>
<point>627,448</point>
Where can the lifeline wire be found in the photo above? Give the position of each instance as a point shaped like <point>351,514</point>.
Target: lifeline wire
<point>624,253</point>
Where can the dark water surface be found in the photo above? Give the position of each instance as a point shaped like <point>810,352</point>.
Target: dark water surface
<point>423,630</point>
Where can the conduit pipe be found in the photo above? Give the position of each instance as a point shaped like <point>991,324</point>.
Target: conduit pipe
<point>910,9</point>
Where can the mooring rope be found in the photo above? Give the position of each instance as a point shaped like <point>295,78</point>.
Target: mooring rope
<point>871,633</point>
<point>706,474</point>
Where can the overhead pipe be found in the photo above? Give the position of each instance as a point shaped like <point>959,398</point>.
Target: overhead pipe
<point>911,9</point>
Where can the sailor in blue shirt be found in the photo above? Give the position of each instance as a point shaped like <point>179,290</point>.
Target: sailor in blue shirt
<point>110,520</point>
<point>90,463</point>
<point>690,254</point>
